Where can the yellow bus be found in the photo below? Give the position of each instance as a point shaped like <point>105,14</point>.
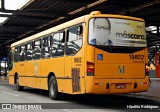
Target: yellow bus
<point>93,54</point>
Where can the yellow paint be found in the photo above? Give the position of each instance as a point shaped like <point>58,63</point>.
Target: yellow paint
<point>106,71</point>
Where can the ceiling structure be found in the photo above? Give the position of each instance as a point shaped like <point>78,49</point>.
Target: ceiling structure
<point>38,15</point>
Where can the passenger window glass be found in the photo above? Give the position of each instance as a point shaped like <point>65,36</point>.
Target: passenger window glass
<point>37,49</point>
<point>29,51</point>
<point>46,47</point>
<point>22,53</point>
<point>73,34</point>
<point>16,55</point>
<point>55,38</point>
<point>58,44</point>
<point>61,37</point>
<point>74,41</point>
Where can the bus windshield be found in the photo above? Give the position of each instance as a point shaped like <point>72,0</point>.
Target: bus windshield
<point>117,32</point>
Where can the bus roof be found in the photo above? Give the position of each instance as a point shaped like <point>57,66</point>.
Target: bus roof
<point>70,23</point>
<point>49,31</point>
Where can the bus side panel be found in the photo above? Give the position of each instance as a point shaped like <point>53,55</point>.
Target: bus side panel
<point>55,66</point>
<point>11,79</point>
<point>74,73</point>
<point>58,69</point>
<point>29,73</point>
<point>83,60</point>
<point>90,58</point>
<point>46,65</point>
<point>44,83</point>
<point>37,73</point>
<point>11,75</point>
<point>21,72</point>
<point>82,71</point>
<point>61,85</point>
<point>67,74</point>
<point>78,73</point>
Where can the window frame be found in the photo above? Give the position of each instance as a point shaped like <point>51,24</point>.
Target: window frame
<point>49,36</point>
<point>17,54</point>
<point>29,42</point>
<point>39,39</point>
<point>24,56</point>
<point>67,37</point>
<point>59,42</point>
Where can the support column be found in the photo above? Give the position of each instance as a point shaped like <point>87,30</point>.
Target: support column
<point>0,69</point>
<point>5,68</point>
<point>2,4</point>
<point>158,30</point>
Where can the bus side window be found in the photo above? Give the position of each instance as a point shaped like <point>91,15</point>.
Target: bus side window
<point>46,47</point>
<point>55,42</point>
<point>37,49</point>
<point>22,52</point>
<point>61,44</point>
<point>74,40</point>
<point>16,55</point>
<point>58,44</point>
<point>29,51</point>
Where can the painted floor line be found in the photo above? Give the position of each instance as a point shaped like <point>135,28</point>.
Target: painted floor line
<point>9,93</point>
<point>66,110</point>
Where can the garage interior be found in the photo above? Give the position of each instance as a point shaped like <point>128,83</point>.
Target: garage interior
<point>39,15</point>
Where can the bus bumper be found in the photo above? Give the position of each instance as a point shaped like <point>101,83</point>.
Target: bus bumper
<point>116,86</point>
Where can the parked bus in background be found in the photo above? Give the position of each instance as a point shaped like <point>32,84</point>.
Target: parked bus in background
<point>95,54</point>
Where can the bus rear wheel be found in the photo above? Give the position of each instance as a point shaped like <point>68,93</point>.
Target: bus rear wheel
<point>18,87</point>
<point>53,88</point>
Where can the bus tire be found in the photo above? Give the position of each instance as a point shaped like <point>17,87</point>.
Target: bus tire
<point>18,87</point>
<point>53,88</point>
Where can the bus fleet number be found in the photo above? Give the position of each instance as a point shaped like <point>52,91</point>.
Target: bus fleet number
<point>136,57</point>
<point>78,60</point>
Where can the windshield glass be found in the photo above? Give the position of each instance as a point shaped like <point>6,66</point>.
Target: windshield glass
<point>117,32</point>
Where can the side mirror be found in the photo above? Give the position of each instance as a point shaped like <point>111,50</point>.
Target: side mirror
<point>10,60</point>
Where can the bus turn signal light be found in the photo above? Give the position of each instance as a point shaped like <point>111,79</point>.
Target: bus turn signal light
<point>147,70</point>
<point>90,69</point>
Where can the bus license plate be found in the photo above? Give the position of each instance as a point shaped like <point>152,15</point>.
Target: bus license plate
<point>120,86</point>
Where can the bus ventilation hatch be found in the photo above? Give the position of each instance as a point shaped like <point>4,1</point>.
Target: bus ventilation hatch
<point>75,79</point>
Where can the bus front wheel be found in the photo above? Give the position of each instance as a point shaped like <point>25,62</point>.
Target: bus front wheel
<point>18,87</point>
<point>53,88</point>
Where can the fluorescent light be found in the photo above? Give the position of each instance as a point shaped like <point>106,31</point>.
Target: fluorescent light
<point>152,28</point>
<point>154,31</point>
